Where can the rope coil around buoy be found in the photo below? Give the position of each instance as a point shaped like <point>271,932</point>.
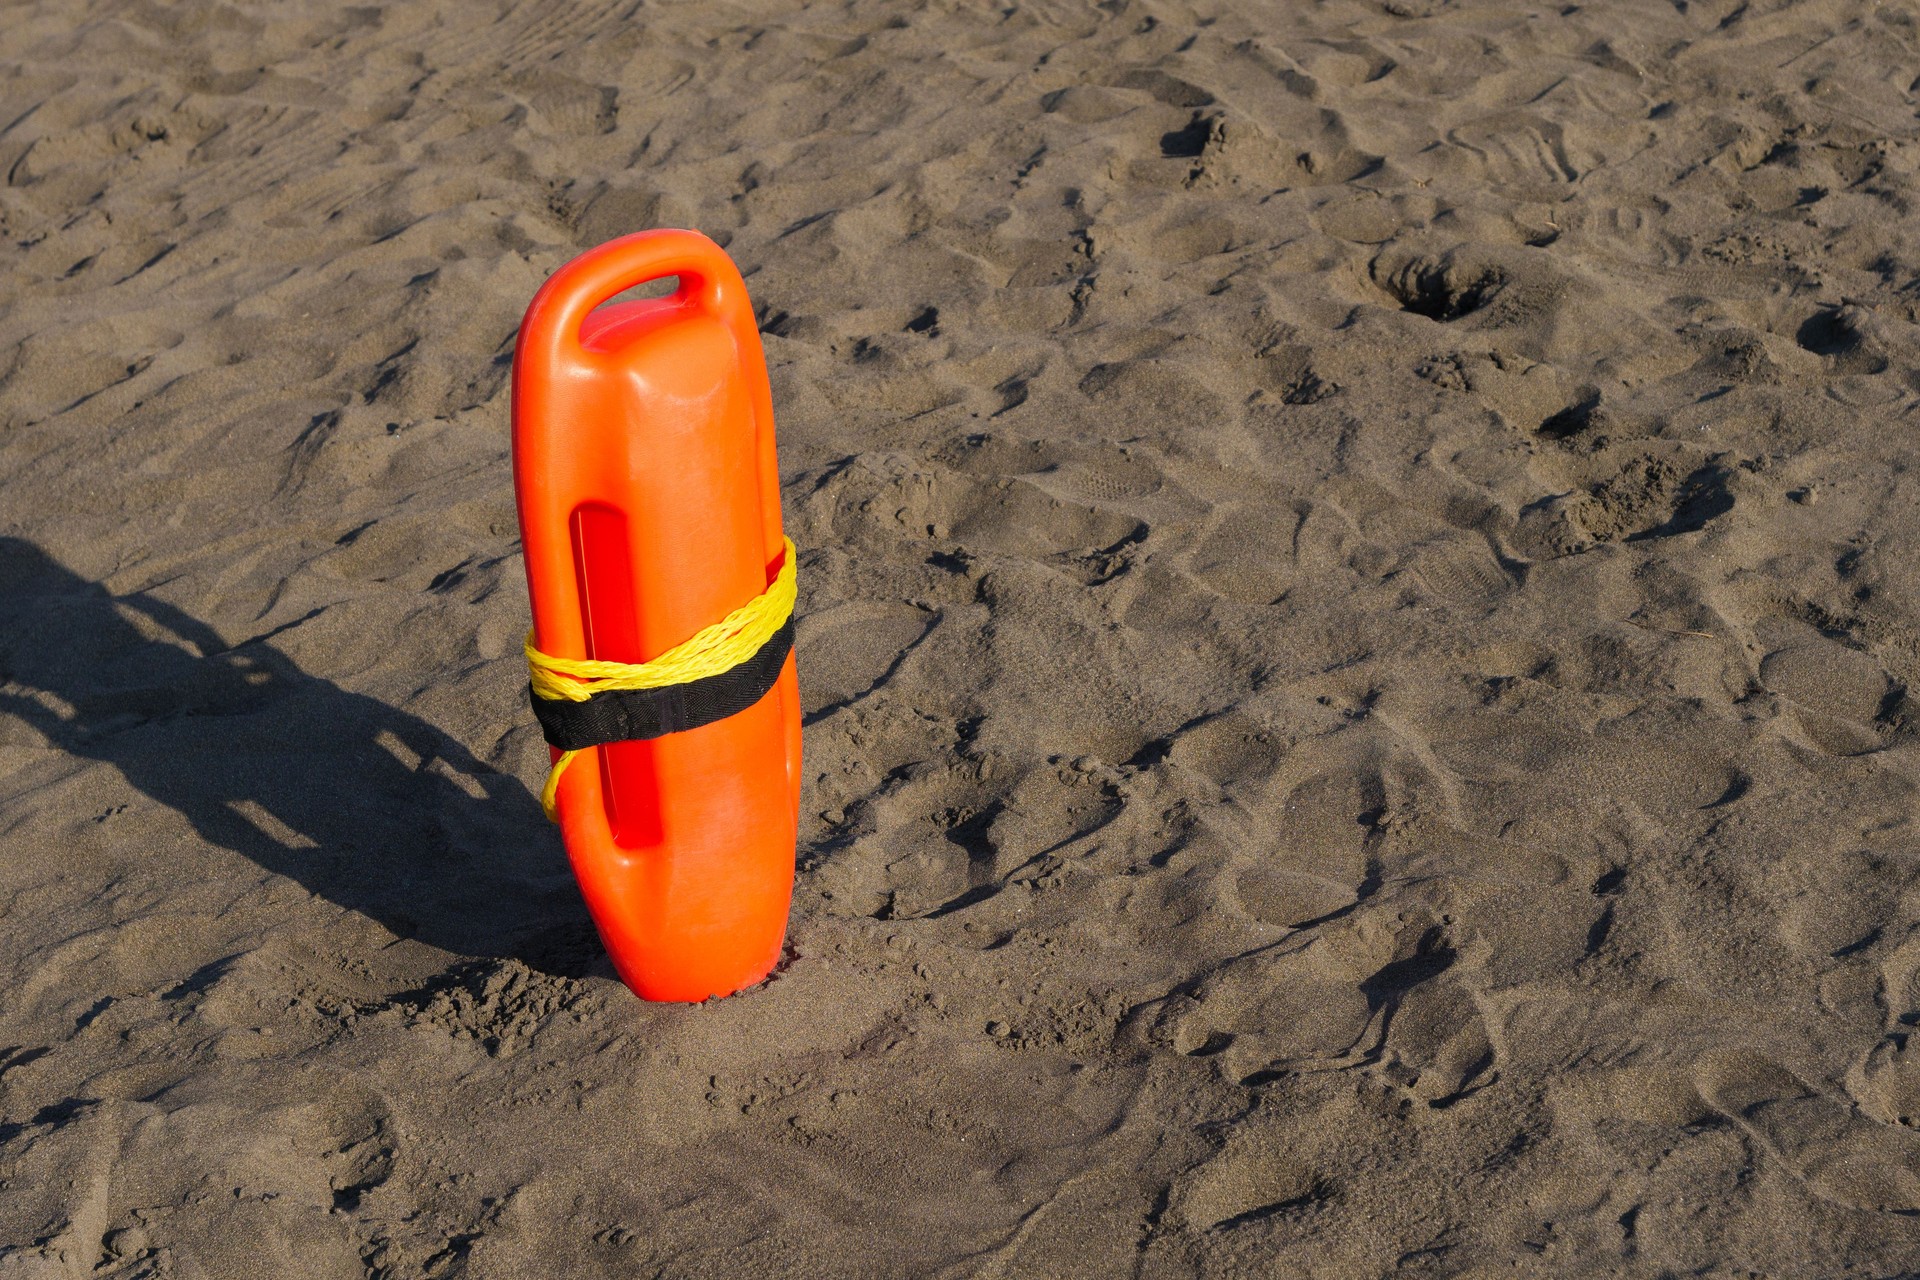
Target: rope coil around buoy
<point>717,672</point>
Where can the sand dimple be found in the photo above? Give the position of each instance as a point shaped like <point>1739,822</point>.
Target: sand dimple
<point>1355,633</point>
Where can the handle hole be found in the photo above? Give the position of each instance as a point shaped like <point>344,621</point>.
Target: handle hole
<point>659,287</point>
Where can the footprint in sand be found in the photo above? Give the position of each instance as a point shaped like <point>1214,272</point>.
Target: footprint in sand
<point>1837,694</point>
<point>1839,1153</point>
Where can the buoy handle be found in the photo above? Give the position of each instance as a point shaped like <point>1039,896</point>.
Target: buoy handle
<point>708,280</point>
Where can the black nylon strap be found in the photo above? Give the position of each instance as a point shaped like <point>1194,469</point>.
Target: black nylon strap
<point>629,715</point>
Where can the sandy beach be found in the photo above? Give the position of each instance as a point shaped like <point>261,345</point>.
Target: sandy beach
<point>1357,606</point>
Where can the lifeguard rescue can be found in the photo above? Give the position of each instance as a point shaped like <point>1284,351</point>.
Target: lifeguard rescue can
<point>649,502</point>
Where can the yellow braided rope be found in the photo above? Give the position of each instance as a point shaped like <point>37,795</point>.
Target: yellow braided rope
<point>707,652</point>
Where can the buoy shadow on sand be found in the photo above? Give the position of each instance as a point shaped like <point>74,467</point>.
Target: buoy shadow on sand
<point>363,805</point>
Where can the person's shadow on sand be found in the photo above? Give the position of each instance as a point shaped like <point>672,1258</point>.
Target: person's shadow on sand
<point>366,806</point>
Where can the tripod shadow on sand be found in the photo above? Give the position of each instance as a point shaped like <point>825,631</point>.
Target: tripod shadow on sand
<point>369,807</point>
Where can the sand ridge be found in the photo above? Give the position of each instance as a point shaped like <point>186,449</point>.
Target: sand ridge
<point>1354,620</point>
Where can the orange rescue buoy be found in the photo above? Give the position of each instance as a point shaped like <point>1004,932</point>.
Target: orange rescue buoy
<point>649,501</point>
